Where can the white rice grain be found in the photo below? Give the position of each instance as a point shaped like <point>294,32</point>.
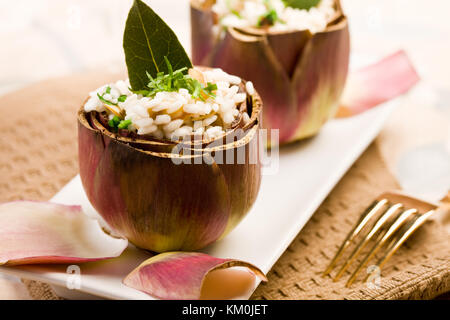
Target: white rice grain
<point>146,122</point>
<point>147,130</point>
<point>162,119</point>
<point>250,88</point>
<point>198,125</point>
<point>209,121</point>
<point>173,125</point>
<point>240,97</point>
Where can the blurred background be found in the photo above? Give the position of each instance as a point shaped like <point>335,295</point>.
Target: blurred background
<point>48,38</point>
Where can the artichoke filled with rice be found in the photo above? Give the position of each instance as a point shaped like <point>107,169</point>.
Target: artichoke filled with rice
<point>296,53</point>
<point>170,157</point>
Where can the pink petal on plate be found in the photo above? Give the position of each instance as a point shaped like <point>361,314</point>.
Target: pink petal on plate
<point>377,83</point>
<point>193,275</point>
<point>43,232</point>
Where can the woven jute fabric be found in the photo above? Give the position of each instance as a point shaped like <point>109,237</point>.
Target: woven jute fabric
<point>39,155</point>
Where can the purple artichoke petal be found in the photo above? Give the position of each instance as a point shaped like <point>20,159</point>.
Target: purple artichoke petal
<point>251,56</point>
<point>202,37</point>
<point>319,78</point>
<point>194,275</point>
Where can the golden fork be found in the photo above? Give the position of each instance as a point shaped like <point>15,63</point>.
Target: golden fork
<point>394,217</point>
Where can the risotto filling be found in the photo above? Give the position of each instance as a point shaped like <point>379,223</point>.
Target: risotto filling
<point>275,15</point>
<point>178,104</point>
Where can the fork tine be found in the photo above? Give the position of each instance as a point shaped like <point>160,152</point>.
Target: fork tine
<point>403,235</point>
<point>399,221</point>
<point>377,226</point>
<point>365,217</point>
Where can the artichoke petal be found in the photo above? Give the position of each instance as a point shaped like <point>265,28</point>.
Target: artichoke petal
<point>378,83</point>
<point>193,275</point>
<point>288,47</point>
<point>320,77</point>
<point>202,37</point>
<point>44,232</point>
<point>250,56</point>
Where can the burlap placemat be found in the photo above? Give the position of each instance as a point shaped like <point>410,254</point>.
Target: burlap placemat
<point>39,155</point>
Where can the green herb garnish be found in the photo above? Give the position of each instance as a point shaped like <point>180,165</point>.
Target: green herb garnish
<point>114,122</point>
<point>101,97</point>
<point>122,98</point>
<point>232,10</point>
<point>301,4</point>
<point>173,81</point>
<point>117,123</point>
<point>147,40</point>
<point>236,13</point>
<point>268,19</point>
<point>124,124</point>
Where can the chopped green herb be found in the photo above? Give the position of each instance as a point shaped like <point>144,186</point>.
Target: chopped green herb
<point>122,98</point>
<point>124,124</point>
<point>116,123</point>
<point>173,81</point>
<point>268,19</point>
<point>104,100</point>
<point>236,13</point>
<point>197,90</point>
<point>232,10</point>
<point>301,4</point>
<point>211,87</point>
<point>116,120</point>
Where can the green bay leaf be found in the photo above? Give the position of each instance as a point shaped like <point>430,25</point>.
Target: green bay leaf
<point>301,4</point>
<point>146,41</point>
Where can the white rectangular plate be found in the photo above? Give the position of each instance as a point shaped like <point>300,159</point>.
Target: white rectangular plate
<point>307,173</point>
